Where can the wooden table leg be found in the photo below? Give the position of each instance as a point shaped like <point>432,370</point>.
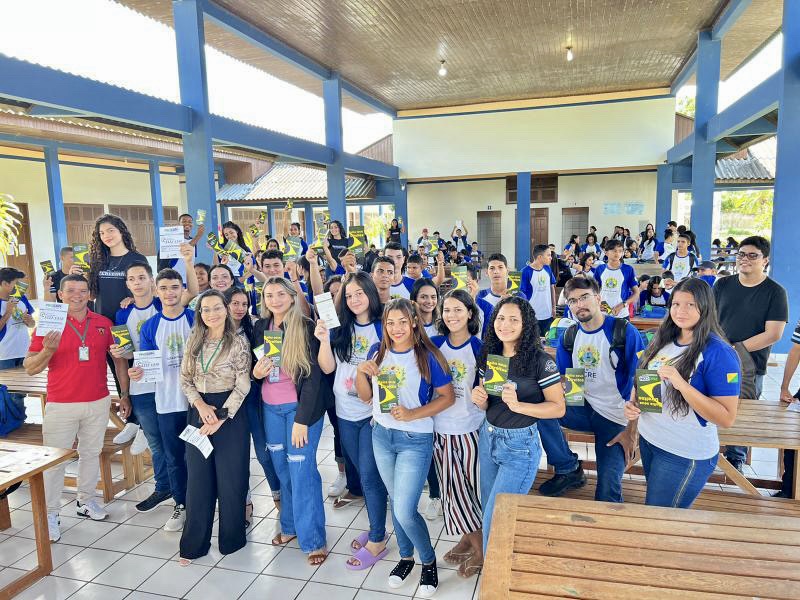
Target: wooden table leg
<point>5,514</point>
<point>735,476</point>
<point>45,566</point>
<point>796,481</point>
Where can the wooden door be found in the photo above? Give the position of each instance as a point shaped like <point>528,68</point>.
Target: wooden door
<point>21,256</point>
<point>574,221</point>
<point>489,235</point>
<point>80,222</point>
<point>139,219</point>
<point>539,227</point>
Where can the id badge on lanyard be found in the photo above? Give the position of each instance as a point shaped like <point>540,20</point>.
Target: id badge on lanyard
<point>83,353</point>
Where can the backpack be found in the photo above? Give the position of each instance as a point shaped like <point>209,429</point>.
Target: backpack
<point>671,261</point>
<point>12,411</point>
<point>617,340</point>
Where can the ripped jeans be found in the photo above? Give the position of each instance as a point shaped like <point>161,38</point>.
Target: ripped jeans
<point>302,512</point>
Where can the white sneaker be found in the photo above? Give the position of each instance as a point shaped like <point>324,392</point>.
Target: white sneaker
<point>139,444</point>
<point>434,509</point>
<point>92,510</point>
<point>338,487</point>
<point>53,528</point>
<point>175,522</point>
<point>127,433</point>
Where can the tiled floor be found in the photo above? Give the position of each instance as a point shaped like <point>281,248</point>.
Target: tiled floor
<point>129,555</point>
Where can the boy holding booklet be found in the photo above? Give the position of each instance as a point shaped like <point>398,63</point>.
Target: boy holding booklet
<point>698,373</point>
<point>600,353</point>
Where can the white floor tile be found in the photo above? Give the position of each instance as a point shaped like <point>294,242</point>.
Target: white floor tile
<point>86,533</point>
<point>209,560</point>
<point>372,595</point>
<point>292,563</point>
<point>265,531</point>
<point>8,575</point>
<point>343,545</point>
<point>20,519</point>
<point>88,564</point>
<point>173,579</point>
<point>341,517</point>
<point>268,587</point>
<point>124,538</point>
<point>61,553</point>
<point>154,518</point>
<point>221,583</point>
<point>66,523</point>
<point>137,595</point>
<point>140,492</point>
<point>253,558</point>
<point>130,571</point>
<point>50,588</point>
<point>93,591</point>
<point>120,511</point>
<point>334,571</point>
<point>314,591</point>
<point>162,544</point>
<point>453,587</point>
<point>13,549</point>
<point>19,498</point>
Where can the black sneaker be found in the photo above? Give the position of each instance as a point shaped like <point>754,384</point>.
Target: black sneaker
<point>155,499</point>
<point>561,483</point>
<point>781,494</point>
<point>400,572</point>
<point>429,580</point>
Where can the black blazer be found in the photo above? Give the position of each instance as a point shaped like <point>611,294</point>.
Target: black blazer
<point>311,398</point>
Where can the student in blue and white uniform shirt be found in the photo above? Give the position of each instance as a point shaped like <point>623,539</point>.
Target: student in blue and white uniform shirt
<point>340,352</point>
<point>460,238</point>
<point>402,284</point>
<point>403,438</point>
<point>508,443</point>
<point>539,285</point>
<point>668,246</point>
<point>682,261</point>
<point>16,316</point>
<point>455,450</point>
<point>700,374</point>
<point>168,331</point>
<point>618,284</point>
<point>187,222</point>
<point>591,246</point>
<point>608,381</point>
<point>487,299</point>
<point>655,294</point>
<point>232,234</point>
<point>573,246</point>
<point>415,268</point>
<point>649,246</point>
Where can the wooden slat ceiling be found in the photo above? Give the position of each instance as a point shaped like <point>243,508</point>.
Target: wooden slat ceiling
<point>495,50</point>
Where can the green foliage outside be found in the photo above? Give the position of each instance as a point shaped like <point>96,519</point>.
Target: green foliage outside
<point>9,224</point>
<point>686,106</point>
<point>747,212</point>
<point>376,226</point>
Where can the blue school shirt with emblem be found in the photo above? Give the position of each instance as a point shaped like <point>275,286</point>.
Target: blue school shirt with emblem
<point>134,318</point>
<point>616,285</point>
<point>402,289</point>
<point>14,336</point>
<point>169,336</point>
<point>464,416</point>
<point>535,284</point>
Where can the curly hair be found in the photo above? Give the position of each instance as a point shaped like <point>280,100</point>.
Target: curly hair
<point>99,252</point>
<point>528,344</point>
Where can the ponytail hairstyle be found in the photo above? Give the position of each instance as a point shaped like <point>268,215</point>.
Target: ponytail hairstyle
<point>422,345</point>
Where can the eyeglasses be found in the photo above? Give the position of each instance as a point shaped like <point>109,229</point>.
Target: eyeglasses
<point>748,255</point>
<point>213,309</point>
<point>581,300</point>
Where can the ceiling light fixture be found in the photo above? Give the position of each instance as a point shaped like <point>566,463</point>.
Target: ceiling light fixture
<point>570,56</point>
<point>442,69</point>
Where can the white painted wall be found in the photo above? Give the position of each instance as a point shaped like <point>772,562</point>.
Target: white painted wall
<point>553,139</point>
<point>438,205</point>
<point>25,180</point>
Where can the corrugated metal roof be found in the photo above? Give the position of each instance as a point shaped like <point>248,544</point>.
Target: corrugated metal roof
<point>294,182</point>
<point>759,164</point>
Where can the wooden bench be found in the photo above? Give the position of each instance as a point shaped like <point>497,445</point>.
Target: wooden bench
<point>31,434</point>
<point>634,490</point>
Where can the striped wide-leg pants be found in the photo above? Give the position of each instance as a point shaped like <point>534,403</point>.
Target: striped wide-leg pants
<point>456,460</point>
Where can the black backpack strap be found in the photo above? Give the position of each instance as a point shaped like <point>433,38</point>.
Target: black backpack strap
<point>568,341</point>
<point>618,339</point>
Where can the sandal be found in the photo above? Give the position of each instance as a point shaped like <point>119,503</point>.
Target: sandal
<point>281,540</point>
<point>467,569</point>
<point>345,500</point>
<point>365,559</point>
<point>317,557</point>
<point>361,541</point>
<point>456,558</point>
<point>248,514</point>
<point>185,562</point>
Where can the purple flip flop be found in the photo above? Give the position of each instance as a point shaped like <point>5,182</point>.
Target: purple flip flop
<point>366,558</point>
<point>362,540</point>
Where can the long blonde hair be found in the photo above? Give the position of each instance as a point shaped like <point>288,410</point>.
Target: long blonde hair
<point>295,354</point>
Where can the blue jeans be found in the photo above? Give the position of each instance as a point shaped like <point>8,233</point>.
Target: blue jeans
<point>739,453</point>
<point>403,460</point>
<point>255,418</point>
<point>509,460</point>
<point>145,407</point>
<point>672,480</point>
<point>356,440</point>
<point>302,512</point>
<point>610,460</point>
<point>171,425</point>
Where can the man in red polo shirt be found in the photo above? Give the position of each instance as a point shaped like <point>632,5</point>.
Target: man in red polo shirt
<point>78,401</point>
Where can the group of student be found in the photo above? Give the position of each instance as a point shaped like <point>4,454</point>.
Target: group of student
<point>395,325</point>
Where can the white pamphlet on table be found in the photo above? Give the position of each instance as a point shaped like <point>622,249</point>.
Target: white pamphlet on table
<point>52,317</point>
<point>150,362</point>
<point>326,310</point>
<point>170,240</point>
<point>191,435</point>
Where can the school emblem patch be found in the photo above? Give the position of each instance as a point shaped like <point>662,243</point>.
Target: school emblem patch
<point>588,356</point>
<point>457,370</point>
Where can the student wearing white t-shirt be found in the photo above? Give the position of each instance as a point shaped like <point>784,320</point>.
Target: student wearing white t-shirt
<point>700,373</point>
<point>682,261</point>
<point>455,450</point>
<point>401,283</point>
<point>426,294</point>
<point>16,316</point>
<point>539,286</point>
<point>487,299</point>
<point>341,351</point>
<point>618,284</point>
<point>403,437</point>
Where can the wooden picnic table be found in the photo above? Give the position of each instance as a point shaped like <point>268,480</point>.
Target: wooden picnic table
<point>645,324</point>
<point>544,547</point>
<point>761,424</point>
<point>19,462</point>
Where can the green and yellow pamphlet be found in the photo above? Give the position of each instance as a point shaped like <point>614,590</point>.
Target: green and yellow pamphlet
<point>213,241</point>
<point>459,273</point>
<point>235,250</point>
<point>387,389</point>
<point>47,267</point>
<point>359,245</point>
<point>122,337</point>
<point>254,230</point>
<point>81,254</point>
<point>514,279</point>
<point>294,248</point>
<point>262,217</point>
<point>201,217</point>
<point>273,344</point>
<point>19,290</point>
<point>648,391</point>
<point>574,386</point>
<point>496,375</point>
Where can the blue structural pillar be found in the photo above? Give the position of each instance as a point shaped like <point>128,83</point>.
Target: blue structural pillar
<point>785,268</point>
<point>523,240</point>
<point>705,150</point>
<point>334,136</point>
<point>401,208</point>
<point>58,218</point>
<point>663,198</point>
<point>197,150</point>
<point>155,200</point>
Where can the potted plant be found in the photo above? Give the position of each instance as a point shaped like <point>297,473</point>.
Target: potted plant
<point>9,225</point>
